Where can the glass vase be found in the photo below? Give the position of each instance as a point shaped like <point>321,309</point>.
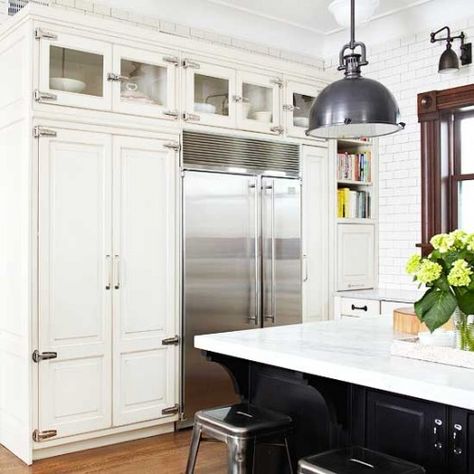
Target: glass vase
<point>464,326</point>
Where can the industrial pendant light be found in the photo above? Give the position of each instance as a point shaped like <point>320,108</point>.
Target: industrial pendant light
<point>355,106</point>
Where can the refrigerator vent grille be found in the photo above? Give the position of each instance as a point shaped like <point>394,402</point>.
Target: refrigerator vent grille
<point>219,152</point>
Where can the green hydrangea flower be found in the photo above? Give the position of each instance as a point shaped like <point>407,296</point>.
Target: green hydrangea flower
<point>413,264</point>
<point>443,242</point>
<point>428,272</point>
<point>470,242</point>
<point>460,238</point>
<point>460,274</point>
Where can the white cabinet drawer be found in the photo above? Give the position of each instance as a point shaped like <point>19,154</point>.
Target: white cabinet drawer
<point>359,308</point>
<point>387,307</point>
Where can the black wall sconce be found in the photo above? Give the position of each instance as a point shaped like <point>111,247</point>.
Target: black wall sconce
<point>449,60</point>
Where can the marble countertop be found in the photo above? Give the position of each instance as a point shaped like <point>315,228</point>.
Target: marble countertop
<point>382,294</point>
<point>354,351</point>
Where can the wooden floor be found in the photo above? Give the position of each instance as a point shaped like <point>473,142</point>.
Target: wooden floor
<point>165,454</point>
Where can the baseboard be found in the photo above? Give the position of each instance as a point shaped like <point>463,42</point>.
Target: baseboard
<point>101,440</point>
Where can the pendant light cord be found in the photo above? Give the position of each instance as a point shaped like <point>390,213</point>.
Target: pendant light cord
<point>353,42</point>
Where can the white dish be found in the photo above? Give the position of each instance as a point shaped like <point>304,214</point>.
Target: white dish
<point>301,122</point>
<point>66,84</point>
<point>263,116</point>
<point>204,108</point>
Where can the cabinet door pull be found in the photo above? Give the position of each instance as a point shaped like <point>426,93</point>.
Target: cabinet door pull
<point>438,424</point>
<point>359,308</point>
<point>457,449</point>
<point>108,263</point>
<point>117,272</point>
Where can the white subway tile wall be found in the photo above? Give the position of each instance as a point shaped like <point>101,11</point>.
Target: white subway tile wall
<point>407,66</point>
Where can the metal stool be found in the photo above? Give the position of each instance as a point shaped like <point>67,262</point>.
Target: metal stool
<point>241,427</point>
<point>356,460</point>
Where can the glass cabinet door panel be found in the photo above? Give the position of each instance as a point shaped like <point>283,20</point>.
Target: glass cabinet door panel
<point>257,103</point>
<point>146,83</point>
<point>80,72</point>
<point>211,95</point>
<point>301,107</point>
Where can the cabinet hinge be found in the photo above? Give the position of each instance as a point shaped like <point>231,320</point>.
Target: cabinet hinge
<point>170,341</point>
<point>187,63</point>
<point>41,34</point>
<point>277,82</point>
<point>42,435</point>
<point>187,117</point>
<point>38,96</point>
<point>171,59</point>
<point>171,113</point>
<point>43,132</point>
<point>171,410</point>
<point>172,146</point>
<point>38,356</point>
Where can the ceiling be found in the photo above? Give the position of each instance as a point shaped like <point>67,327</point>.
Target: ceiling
<point>300,26</point>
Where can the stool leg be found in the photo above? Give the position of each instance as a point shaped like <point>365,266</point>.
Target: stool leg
<point>240,455</point>
<point>193,448</point>
<point>289,455</point>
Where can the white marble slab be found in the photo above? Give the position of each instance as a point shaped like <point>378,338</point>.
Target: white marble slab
<point>354,351</point>
<point>382,294</point>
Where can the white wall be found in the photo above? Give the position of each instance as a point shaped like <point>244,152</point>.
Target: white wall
<point>407,66</point>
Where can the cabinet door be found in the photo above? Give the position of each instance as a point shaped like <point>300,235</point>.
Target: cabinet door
<point>74,282</point>
<point>145,276</point>
<point>258,102</point>
<point>315,233</point>
<point>209,90</point>
<point>355,256</point>
<point>298,101</point>
<point>74,68</point>
<point>414,430</point>
<point>146,83</point>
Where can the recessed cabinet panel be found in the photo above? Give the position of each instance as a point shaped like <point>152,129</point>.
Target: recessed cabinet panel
<point>144,279</point>
<point>74,271</point>
<point>147,83</point>
<point>258,102</point>
<point>74,68</point>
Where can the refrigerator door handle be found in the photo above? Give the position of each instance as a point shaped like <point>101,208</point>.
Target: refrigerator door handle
<point>271,315</point>
<point>255,317</point>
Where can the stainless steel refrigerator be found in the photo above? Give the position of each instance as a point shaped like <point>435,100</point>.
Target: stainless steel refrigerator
<point>241,249</point>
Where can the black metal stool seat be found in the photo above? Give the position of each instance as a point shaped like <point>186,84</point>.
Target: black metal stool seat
<point>241,427</point>
<point>356,460</point>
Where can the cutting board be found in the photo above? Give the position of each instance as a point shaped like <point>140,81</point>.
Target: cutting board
<point>406,321</point>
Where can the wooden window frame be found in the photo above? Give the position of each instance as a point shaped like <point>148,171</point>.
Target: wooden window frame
<point>439,165</point>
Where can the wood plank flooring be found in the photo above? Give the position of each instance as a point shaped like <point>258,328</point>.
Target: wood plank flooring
<point>165,454</point>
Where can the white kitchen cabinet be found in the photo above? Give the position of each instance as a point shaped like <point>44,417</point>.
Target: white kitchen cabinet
<point>73,69</point>
<point>144,254</point>
<point>355,256</point>
<point>75,305</point>
<point>315,233</point>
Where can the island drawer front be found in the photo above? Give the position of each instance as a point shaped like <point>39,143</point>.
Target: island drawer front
<point>359,308</point>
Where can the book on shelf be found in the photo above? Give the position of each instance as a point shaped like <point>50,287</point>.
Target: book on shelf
<point>353,204</point>
<point>354,167</point>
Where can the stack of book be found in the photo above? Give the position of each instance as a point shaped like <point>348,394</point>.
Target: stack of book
<point>354,167</point>
<point>353,204</point>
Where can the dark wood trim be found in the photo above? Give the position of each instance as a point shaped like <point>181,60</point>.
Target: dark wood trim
<point>436,111</point>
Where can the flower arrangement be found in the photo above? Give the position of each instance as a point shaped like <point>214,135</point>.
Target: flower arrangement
<point>448,273</point>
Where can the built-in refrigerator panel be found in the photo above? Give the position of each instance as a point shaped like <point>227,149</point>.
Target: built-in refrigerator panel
<point>220,274</point>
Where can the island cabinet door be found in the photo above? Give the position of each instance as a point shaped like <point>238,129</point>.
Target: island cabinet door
<point>410,429</point>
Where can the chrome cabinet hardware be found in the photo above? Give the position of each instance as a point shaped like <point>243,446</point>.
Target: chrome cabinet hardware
<point>438,423</point>
<point>39,131</point>
<point>305,265</point>
<point>111,76</point>
<point>171,59</point>
<point>41,34</point>
<point>172,146</point>
<point>117,272</point>
<point>170,341</point>
<point>237,98</point>
<point>277,129</point>
<point>187,117</point>
<point>171,113</point>
<point>290,107</point>
<point>171,410</point>
<point>38,356</point>
<point>187,63</point>
<point>42,435</point>
<point>457,449</point>
<point>109,272</point>
<point>359,308</point>
<point>277,82</point>
<point>39,96</point>
<point>255,317</point>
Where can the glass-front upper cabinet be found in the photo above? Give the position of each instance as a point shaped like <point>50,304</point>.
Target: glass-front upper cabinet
<point>144,82</point>
<point>258,102</point>
<point>73,70</point>
<point>209,92</point>
<point>299,99</point>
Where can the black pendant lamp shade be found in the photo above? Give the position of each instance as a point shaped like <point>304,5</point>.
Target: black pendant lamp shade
<point>448,61</point>
<point>355,106</point>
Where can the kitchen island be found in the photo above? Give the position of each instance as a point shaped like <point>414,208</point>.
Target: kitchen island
<point>340,384</point>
